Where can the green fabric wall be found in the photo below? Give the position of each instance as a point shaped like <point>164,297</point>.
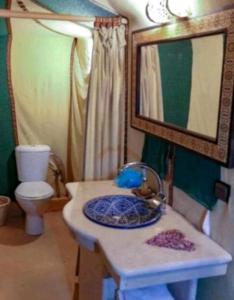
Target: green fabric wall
<point>193,173</point>
<point>8,176</point>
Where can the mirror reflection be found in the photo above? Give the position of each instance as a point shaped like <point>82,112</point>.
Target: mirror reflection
<point>180,83</point>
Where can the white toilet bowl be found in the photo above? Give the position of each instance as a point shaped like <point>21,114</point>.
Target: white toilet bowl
<point>33,198</point>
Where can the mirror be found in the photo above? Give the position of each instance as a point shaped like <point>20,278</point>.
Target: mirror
<point>177,97</point>
<point>182,88</point>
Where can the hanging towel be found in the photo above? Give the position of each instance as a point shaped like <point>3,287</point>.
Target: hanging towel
<point>196,175</point>
<point>193,173</point>
<point>155,154</point>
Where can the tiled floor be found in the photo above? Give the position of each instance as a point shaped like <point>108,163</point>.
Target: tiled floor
<point>39,267</point>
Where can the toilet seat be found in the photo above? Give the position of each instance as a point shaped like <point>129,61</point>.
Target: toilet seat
<point>35,190</point>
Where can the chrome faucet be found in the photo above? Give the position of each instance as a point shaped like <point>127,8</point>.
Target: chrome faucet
<point>158,194</point>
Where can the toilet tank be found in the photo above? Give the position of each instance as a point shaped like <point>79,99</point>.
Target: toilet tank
<point>32,162</point>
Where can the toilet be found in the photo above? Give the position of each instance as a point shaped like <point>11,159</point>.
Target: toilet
<point>33,193</point>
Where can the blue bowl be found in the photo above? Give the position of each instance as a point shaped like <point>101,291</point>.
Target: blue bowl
<point>121,211</point>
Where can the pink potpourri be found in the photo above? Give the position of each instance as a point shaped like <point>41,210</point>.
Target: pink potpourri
<point>173,239</point>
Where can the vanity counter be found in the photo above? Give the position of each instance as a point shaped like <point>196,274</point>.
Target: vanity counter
<point>132,262</point>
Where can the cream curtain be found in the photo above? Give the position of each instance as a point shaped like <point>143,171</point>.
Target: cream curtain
<point>40,72</point>
<point>151,105</point>
<point>80,70</point>
<point>206,82</point>
<point>106,102</point>
<point>50,82</point>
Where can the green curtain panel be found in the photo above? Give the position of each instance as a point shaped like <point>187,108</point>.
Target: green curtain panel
<point>8,175</point>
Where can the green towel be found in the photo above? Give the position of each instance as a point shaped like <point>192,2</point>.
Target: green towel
<point>193,173</point>
<point>196,175</point>
<point>154,154</point>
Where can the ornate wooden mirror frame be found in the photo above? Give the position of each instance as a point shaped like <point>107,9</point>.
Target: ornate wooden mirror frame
<point>222,148</point>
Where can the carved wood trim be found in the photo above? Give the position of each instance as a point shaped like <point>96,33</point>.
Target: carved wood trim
<point>221,149</point>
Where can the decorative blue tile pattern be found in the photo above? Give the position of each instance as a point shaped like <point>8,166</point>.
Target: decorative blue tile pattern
<point>75,7</point>
<point>121,211</point>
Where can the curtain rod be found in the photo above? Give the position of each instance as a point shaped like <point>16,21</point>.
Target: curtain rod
<point>6,13</point>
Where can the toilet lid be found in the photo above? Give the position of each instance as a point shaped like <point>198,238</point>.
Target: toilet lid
<point>34,190</point>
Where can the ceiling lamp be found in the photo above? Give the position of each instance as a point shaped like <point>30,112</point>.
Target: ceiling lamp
<point>163,11</point>
<point>179,8</point>
<point>157,11</point>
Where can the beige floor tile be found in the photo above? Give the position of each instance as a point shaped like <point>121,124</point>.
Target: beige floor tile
<point>37,268</point>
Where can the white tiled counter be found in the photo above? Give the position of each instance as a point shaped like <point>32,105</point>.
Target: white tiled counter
<point>130,261</point>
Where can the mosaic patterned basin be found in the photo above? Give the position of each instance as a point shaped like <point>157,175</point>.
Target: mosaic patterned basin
<point>121,211</point>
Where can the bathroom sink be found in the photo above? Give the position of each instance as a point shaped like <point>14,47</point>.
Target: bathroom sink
<point>121,211</point>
